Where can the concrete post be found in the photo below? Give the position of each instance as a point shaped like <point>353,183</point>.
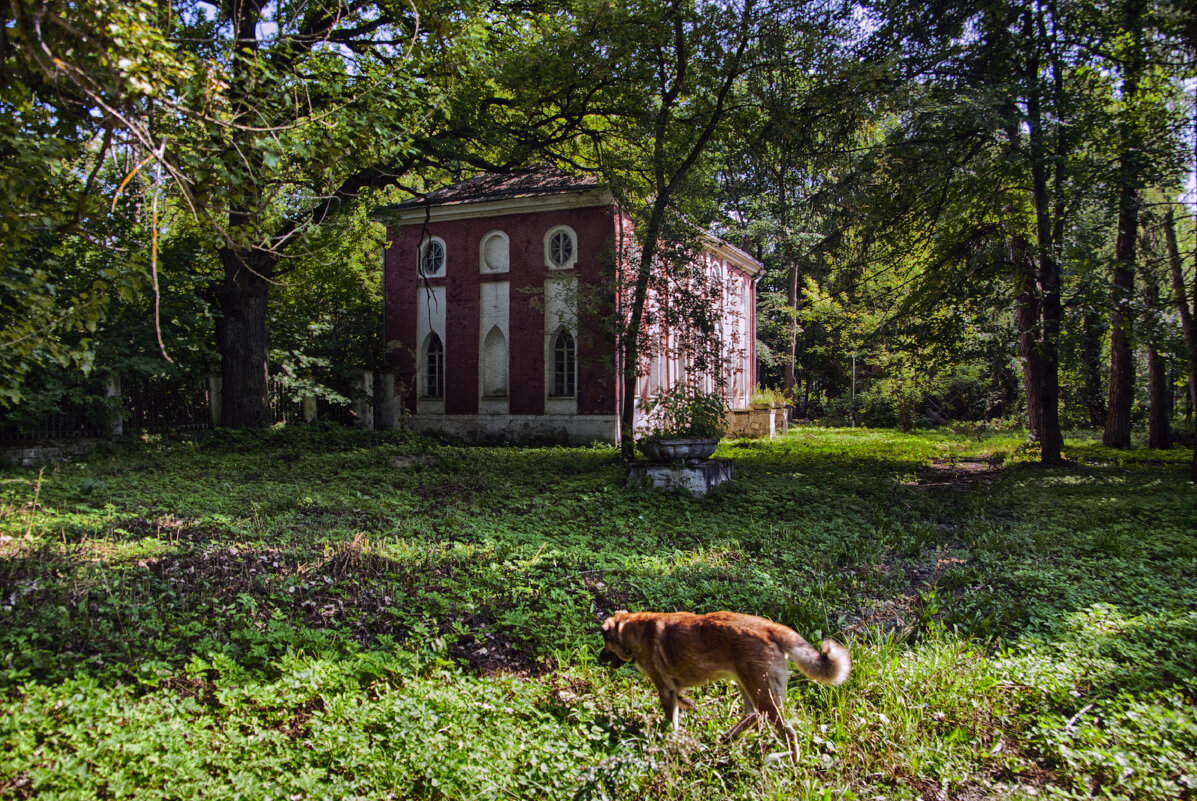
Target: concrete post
<point>112,392</point>
<point>363,398</point>
<point>215,383</point>
<point>388,407</point>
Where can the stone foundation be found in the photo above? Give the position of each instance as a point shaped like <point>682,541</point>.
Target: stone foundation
<point>697,478</point>
<point>563,429</point>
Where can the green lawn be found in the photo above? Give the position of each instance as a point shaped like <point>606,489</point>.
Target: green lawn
<point>313,613</point>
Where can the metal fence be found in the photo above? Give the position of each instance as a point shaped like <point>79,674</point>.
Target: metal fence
<point>155,405</point>
<point>283,408</point>
<point>70,420</point>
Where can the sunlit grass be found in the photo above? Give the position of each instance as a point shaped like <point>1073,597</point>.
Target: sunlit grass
<point>328,613</point>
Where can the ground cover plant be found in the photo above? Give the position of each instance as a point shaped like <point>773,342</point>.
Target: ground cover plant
<point>328,613</point>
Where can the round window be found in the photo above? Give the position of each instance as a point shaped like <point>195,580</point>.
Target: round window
<point>434,258</point>
<point>561,248</point>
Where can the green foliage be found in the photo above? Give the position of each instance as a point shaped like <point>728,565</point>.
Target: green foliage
<point>312,610</point>
<point>682,412</point>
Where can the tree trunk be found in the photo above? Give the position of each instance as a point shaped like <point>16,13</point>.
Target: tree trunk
<point>1188,316</point>
<point>1026,316</point>
<point>241,338</point>
<point>1117,432</point>
<point>1045,371</point>
<point>1091,333</point>
<point>1159,435</point>
<point>792,340</point>
<point>632,344</point>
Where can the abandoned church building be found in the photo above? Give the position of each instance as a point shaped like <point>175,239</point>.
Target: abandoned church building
<point>500,296</point>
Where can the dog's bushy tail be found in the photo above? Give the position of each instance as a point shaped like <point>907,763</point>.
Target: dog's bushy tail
<point>829,665</point>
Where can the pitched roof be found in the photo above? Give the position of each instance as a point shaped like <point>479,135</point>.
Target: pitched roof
<point>527,182</point>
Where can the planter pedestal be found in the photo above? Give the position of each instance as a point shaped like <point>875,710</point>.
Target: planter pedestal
<point>697,478</point>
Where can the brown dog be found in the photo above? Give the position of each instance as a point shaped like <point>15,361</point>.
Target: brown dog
<point>679,649</point>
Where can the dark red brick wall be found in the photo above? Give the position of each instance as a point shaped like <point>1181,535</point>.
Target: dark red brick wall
<point>595,229</point>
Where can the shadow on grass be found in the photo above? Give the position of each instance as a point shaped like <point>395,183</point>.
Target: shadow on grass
<point>517,554</point>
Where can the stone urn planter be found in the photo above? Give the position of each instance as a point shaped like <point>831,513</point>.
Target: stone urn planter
<point>679,450</point>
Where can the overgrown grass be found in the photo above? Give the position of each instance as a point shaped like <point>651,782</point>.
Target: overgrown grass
<point>327,613</point>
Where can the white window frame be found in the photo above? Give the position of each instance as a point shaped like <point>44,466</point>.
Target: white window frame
<point>572,364</point>
<point>423,253</point>
<point>569,263</point>
<point>483,266</point>
<point>427,383</point>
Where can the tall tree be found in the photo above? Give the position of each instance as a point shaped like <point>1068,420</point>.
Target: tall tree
<point>1117,432</point>
<point>265,120</point>
<point>681,62</point>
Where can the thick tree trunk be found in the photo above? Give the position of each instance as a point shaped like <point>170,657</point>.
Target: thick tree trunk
<point>242,340</point>
<point>1094,394</point>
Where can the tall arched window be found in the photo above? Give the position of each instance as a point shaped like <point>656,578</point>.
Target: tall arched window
<point>434,368</point>
<point>565,360</point>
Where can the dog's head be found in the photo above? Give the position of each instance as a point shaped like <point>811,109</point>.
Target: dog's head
<point>614,633</point>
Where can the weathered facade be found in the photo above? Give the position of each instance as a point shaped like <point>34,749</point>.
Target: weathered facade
<point>500,295</point>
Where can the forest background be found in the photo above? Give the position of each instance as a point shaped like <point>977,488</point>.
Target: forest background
<point>970,212</point>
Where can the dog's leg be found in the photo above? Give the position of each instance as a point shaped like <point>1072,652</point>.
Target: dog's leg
<point>772,703</point>
<point>749,717</point>
<point>669,704</point>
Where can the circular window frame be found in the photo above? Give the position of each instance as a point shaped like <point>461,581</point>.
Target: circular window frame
<point>427,246</point>
<point>549,236</point>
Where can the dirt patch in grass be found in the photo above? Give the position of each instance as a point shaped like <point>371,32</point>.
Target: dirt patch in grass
<point>903,611</point>
<point>19,787</point>
<point>607,600</point>
<point>956,475</point>
<point>492,653</point>
<point>196,687</point>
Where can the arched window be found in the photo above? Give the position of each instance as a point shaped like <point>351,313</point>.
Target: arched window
<point>434,368</point>
<point>432,258</point>
<point>494,364</point>
<point>565,360</point>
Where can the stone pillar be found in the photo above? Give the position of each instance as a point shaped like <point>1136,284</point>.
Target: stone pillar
<point>215,383</point>
<point>363,397</point>
<point>112,394</point>
<point>388,406</point>
<point>309,408</point>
